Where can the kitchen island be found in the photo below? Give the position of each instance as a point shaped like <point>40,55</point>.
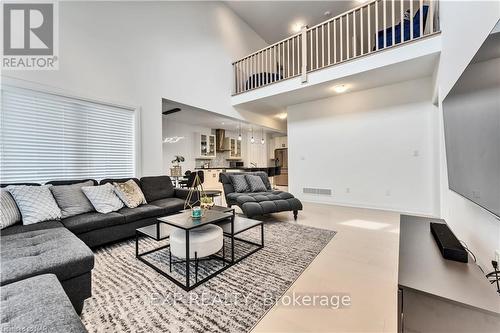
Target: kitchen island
<point>212,174</point>
<point>243,169</point>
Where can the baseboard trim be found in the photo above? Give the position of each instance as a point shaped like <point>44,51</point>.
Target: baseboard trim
<point>364,206</point>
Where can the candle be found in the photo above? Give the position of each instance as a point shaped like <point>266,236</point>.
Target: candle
<point>196,212</point>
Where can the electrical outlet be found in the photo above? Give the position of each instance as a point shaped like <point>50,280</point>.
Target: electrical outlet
<point>497,255</point>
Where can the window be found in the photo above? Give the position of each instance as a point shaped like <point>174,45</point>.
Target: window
<point>48,137</point>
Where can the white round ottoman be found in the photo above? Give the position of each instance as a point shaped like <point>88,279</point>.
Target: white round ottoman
<point>204,241</point>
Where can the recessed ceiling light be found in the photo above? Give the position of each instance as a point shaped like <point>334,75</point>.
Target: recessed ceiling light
<point>341,88</point>
<point>282,116</point>
<point>297,26</point>
<point>327,13</point>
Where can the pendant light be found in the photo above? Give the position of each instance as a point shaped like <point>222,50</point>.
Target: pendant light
<point>239,135</point>
<point>262,141</point>
<point>252,140</point>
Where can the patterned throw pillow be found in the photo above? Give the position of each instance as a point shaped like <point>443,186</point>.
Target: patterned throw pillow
<point>9,213</point>
<point>239,183</point>
<point>71,199</point>
<point>256,184</point>
<point>103,198</point>
<point>130,193</point>
<point>36,203</point>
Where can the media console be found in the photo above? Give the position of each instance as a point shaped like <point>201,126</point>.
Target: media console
<point>439,295</point>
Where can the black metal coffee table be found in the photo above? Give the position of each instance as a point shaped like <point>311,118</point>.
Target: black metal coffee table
<point>231,225</point>
<point>241,224</point>
<point>160,231</point>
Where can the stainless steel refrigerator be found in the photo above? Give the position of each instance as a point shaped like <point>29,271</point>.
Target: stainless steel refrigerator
<point>281,160</point>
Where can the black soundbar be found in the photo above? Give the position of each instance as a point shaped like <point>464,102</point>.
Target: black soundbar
<point>448,244</point>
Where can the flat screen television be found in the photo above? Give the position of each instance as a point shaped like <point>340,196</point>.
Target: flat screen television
<point>472,129</point>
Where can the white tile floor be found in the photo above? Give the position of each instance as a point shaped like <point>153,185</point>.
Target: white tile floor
<point>361,261</point>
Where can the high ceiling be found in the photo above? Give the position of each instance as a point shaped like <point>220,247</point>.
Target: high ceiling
<point>203,118</point>
<point>489,50</point>
<point>273,20</point>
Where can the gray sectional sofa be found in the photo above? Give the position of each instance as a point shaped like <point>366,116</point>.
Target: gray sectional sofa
<point>62,249</point>
<point>38,304</point>
<point>56,251</point>
<point>261,202</point>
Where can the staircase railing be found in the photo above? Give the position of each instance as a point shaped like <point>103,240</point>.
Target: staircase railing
<point>371,27</point>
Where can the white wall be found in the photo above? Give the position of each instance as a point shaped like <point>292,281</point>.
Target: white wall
<point>258,153</point>
<point>465,25</point>
<point>373,148</point>
<point>184,147</point>
<point>135,53</point>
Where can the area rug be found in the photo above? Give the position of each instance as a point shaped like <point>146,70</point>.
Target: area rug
<point>129,296</point>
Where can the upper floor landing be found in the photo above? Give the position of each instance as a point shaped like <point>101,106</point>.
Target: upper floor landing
<point>381,40</point>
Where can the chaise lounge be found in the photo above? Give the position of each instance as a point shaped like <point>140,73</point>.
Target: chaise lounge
<point>257,200</point>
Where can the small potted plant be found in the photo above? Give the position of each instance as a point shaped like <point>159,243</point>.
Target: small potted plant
<point>206,202</point>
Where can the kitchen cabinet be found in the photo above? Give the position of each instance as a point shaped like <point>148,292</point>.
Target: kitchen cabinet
<point>234,148</point>
<point>280,142</point>
<point>212,179</point>
<point>204,145</point>
<point>238,148</point>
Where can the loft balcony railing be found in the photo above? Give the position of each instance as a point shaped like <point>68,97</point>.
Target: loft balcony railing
<point>372,27</point>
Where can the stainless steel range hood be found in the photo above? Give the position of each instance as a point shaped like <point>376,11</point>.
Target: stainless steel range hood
<point>221,142</point>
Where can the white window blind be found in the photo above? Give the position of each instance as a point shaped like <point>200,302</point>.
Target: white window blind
<point>49,137</point>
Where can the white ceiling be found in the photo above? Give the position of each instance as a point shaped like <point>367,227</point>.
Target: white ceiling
<point>273,20</point>
<point>203,118</point>
<point>483,72</point>
<point>489,50</point>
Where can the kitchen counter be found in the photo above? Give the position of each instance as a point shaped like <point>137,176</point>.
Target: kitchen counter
<point>243,168</point>
<point>212,174</point>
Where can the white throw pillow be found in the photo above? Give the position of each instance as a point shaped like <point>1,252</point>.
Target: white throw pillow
<point>130,193</point>
<point>36,203</point>
<point>103,198</point>
<point>9,213</point>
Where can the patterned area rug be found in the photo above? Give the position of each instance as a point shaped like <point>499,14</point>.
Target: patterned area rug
<point>129,296</point>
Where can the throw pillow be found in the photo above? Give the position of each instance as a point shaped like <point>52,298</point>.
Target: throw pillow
<point>35,203</point>
<point>103,198</point>
<point>9,213</point>
<point>239,183</point>
<point>255,183</point>
<point>265,180</point>
<point>71,199</point>
<point>130,193</point>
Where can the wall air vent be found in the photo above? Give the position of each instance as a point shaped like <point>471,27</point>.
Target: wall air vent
<point>317,191</point>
